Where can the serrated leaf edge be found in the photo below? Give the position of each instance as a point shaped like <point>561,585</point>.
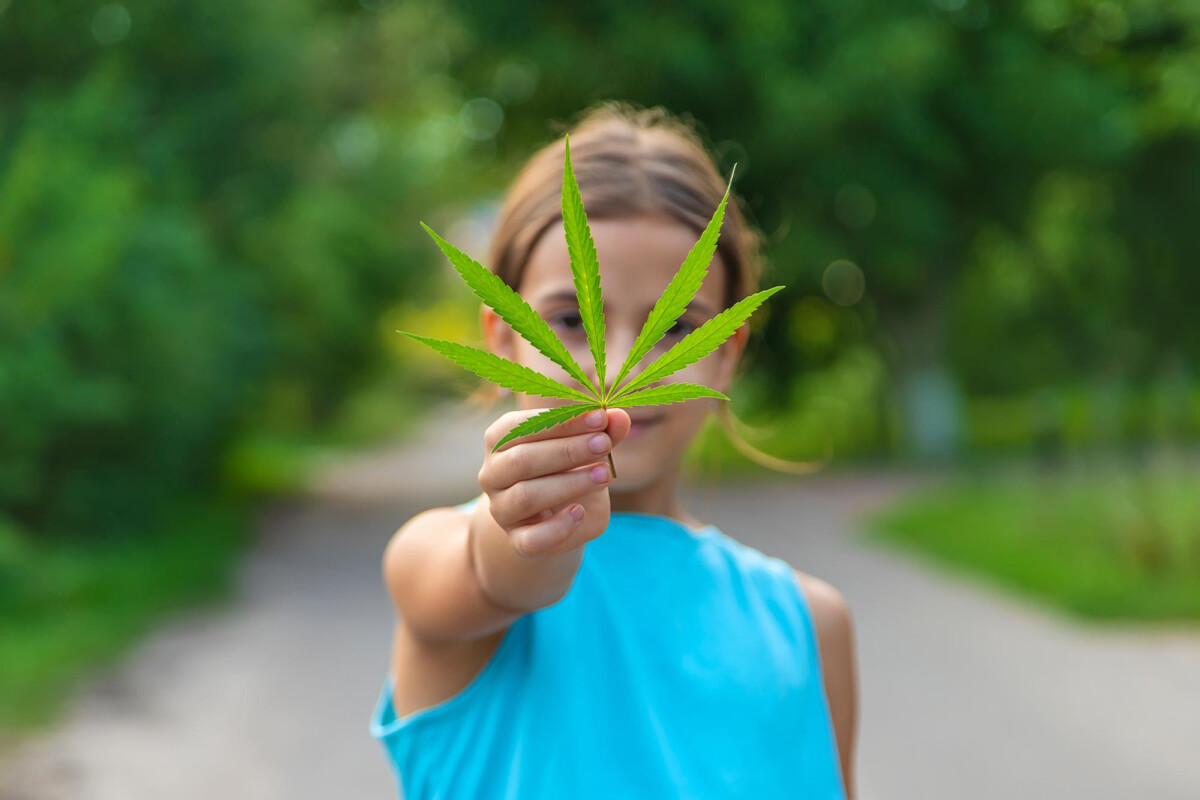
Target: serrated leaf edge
<point>585,266</point>
<point>689,279</point>
<point>692,391</point>
<point>535,382</point>
<point>678,356</point>
<point>546,419</point>
<point>540,336</point>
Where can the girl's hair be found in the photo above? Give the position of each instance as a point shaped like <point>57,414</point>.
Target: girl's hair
<point>628,161</point>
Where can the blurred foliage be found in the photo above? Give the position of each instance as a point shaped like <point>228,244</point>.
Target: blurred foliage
<point>204,209</point>
<point>1097,539</point>
<point>834,413</point>
<point>269,463</point>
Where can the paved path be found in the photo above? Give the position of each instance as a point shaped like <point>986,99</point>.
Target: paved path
<point>966,691</point>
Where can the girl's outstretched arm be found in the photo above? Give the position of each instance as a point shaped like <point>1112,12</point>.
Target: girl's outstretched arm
<point>458,581</point>
<point>835,639</point>
<point>455,578</point>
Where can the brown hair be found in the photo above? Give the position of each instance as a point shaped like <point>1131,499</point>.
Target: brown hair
<point>628,161</point>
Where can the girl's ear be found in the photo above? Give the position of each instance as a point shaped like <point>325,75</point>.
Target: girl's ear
<point>729,353</point>
<point>497,334</point>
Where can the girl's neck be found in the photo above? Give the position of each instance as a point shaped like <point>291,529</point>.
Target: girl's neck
<point>656,497</point>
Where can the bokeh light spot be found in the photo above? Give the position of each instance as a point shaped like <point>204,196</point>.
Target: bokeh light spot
<point>481,118</point>
<point>854,206</point>
<point>843,282</point>
<point>357,142</point>
<point>111,23</point>
<point>813,327</point>
<point>515,81</point>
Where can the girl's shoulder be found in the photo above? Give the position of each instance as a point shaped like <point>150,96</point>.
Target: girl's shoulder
<point>824,599</point>
<point>834,626</point>
<point>831,617</point>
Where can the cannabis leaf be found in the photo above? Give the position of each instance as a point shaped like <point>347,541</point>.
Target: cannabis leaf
<point>585,269</point>
<point>511,307</point>
<point>500,370</point>
<point>548,419</point>
<point>699,343</point>
<point>669,393</point>
<point>680,291</point>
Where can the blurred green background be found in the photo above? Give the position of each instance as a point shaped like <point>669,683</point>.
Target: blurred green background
<point>984,213</point>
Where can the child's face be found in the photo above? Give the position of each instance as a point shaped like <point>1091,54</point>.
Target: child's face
<point>638,257</point>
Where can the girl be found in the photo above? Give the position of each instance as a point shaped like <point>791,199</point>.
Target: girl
<point>570,635</point>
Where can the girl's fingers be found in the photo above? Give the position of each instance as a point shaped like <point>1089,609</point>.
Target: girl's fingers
<point>545,457</point>
<point>592,421</point>
<point>539,538</point>
<point>618,424</point>
<point>524,500</point>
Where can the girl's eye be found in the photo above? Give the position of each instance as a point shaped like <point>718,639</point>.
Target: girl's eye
<point>680,328</point>
<point>570,320</point>
<point>573,322</point>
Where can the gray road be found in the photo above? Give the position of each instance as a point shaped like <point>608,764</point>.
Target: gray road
<point>967,692</point>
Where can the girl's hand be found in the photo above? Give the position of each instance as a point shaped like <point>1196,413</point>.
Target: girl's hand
<point>549,490</point>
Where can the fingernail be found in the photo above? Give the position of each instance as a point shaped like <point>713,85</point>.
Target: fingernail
<point>598,443</point>
<point>600,474</point>
<point>576,512</point>
<point>594,419</point>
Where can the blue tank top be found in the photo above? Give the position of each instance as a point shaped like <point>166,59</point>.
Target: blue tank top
<point>680,663</point>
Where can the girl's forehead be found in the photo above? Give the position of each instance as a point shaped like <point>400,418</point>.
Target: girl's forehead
<point>638,256</point>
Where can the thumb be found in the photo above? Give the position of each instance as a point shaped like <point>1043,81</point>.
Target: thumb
<point>618,424</point>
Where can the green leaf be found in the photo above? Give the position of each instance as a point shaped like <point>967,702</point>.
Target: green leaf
<point>547,419</point>
<point>680,291</point>
<point>499,296</point>
<point>501,370</point>
<point>698,344</point>
<point>670,393</point>
<point>585,270</point>
<point>584,265</point>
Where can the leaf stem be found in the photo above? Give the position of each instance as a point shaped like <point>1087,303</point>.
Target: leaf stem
<point>612,468</point>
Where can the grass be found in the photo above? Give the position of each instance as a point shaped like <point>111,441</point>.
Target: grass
<point>1115,542</point>
<point>67,607</point>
